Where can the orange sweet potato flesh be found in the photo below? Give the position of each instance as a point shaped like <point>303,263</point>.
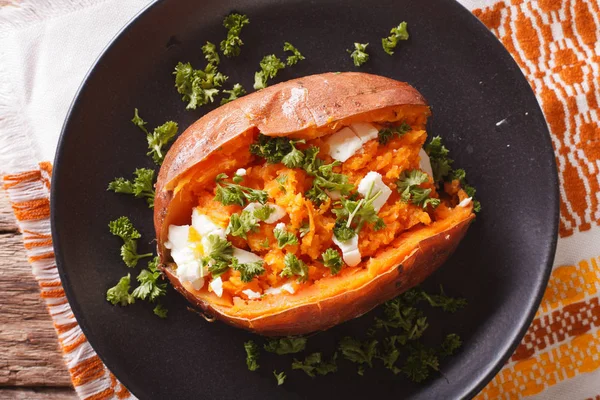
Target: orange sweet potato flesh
<point>307,108</point>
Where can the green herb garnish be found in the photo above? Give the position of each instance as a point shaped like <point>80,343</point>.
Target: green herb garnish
<point>159,138</point>
<point>252,355</point>
<point>236,92</point>
<point>119,294</point>
<point>359,55</point>
<point>286,345</point>
<point>149,289</point>
<point>397,33</point>
<point>313,364</point>
<point>241,224</point>
<point>269,67</point>
<point>233,193</point>
<point>358,352</point>
<point>296,55</point>
<point>441,164</point>
<point>210,53</point>
<point>294,266</point>
<point>409,189</point>
<point>248,270</point>
<point>387,134</point>
<point>284,238</point>
<point>161,311</point>
<point>353,214</point>
<point>123,228</point>
<point>280,377</point>
<point>141,186</point>
<point>332,260</point>
<point>198,87</point>
<point>231,46</point>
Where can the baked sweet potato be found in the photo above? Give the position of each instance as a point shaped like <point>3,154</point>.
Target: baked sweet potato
<point>291,152</point>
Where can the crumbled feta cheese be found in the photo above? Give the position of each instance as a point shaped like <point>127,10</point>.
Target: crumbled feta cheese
<point>241,172</point>
<point>280,226</point>
<point>373,182</point>
<point>465,202</point>
<point>216,285</point>
<point>349,248</point>
<point>425,163</point>
<point>252,295</point>
<point>364,131</point>
<point>343,144</point>
<point>288,287</point>
<point>276,215</point>
<point>244,256</point>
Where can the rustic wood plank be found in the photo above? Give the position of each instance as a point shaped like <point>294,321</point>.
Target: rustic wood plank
<point>30,354</point>
<point>8,222</point>
<point>38,394</point>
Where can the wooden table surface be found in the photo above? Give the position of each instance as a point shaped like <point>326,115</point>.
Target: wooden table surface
<point>31,364</point>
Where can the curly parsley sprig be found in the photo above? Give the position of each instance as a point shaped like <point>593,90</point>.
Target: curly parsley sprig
<point>123,228</point>
<point>231,46</point>
<point>142,185</point>
<point>229,193</point>
<point>359,55</point>
<point>159,138</point>
<point>397,33</point>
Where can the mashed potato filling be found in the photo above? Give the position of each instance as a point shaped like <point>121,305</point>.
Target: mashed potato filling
<point>289,245</point>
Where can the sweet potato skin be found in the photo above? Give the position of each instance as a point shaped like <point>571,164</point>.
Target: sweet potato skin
<point>427,257</point>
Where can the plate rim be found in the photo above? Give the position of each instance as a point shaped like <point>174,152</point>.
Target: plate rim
<point>470,390</point>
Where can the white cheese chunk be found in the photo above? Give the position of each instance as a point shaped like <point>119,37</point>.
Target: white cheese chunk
<point>244,256</point>
<point>373,182</point>
<point>280,226</point>
<point>365,131</point>
<point>288,287</point>
<point>425,163</point>
<point>216,285</point>
<point>465,202</point>
<point>276,215</point>
<point>189,266</point>
<point>205,226</point>
<point>241,172</point>
<point>343,144</point>
<point>350,252</point>
<point>252,295</point>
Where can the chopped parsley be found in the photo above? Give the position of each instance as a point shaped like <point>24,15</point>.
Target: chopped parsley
<point>358,352</point>
<point>119,294</point>
<point>210,53</point>
<point>141,186</point>
<point>387,134</point>
<point>281,180</point>
<point>280,377</point>
<point>284,238</point>
<point>324,177</point>
<point>294,267</point>
<point>461,175</point>
<point>359,55</point>
<point>220,255</point>
<point>304,229</point>
<point>123,228</point>
<point>409,189</point>
<point>397,33</point>
<point>314,365</point>
<point>269,67</point>
<point>252,355</point>
<point>231,46</point>
<point>236,92</point>
<point>198,87</point>
<point>160,310</point>
<point>451,343</point>
<point>296,55</point>
<point>353,214</point>
<point>159,138</point>
<point>149,289</point>
<point>263,213</point>
<point>248,270</point>
<point>265,243</point>
<point>286,345</point>
<point>241,224</point>
<point>332,260</point>
<point>446,303</point>
<point>419,363</point>
<point>232,193</point>
<point>272,149</point>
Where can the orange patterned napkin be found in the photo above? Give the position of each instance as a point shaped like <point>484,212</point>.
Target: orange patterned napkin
<point>555,42</point>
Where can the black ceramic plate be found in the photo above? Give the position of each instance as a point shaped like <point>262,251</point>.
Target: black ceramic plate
<point>470,81</point>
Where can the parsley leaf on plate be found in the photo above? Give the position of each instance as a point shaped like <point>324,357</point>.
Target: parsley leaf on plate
<point>286,345</point>
<point>198,87</point>
<point>160,311</point>
<point>159,138</point>
<point>232,193</point>
<point>332,260</point>
<point>269,67</point>
<point>210,53</point>
<point>397,33</point>
<point>294,266</point>
<point>387,134</point>
<point>252,355</point>
<point>231,46</point>
<point>119,294</point>
<point>359,55</point>
<point>314,364</point>
<point>123,228</point>
<point>141,186</point>
<point>296,55</point>
<point>280,377</point>
<point>236,92</point>
<point>446,303</point>
<point>149,289</point>
<point>284,238</point>
<point>358,352</point>
<point>441,164</point>
<point>420,361</point>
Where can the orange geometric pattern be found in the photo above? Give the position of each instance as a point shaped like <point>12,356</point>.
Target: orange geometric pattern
<point>555,42</point>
